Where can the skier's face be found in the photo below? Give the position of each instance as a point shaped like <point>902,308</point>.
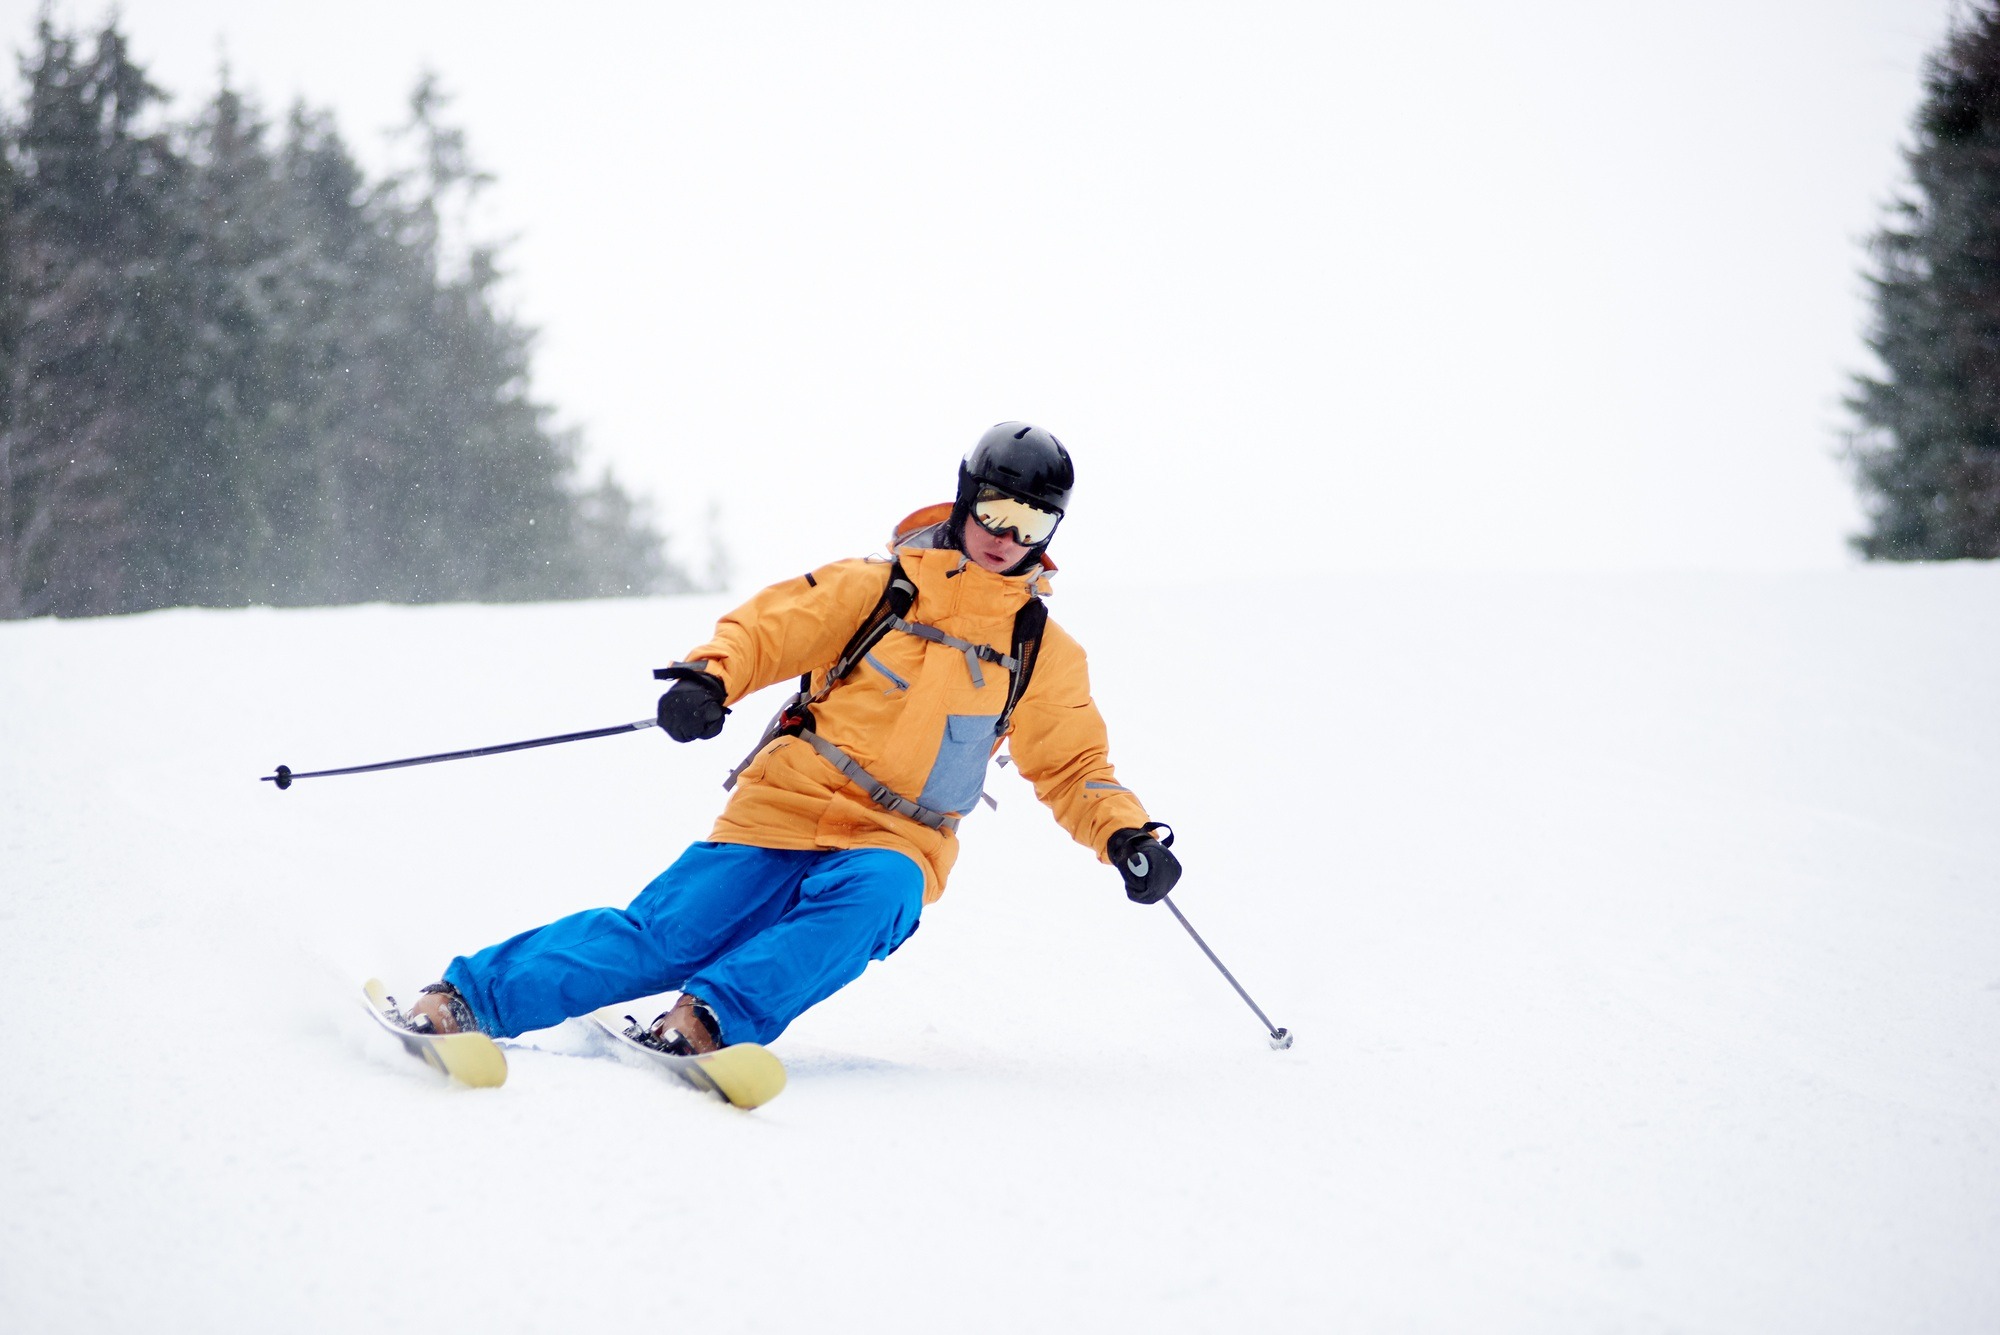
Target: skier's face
<point>992,550</point>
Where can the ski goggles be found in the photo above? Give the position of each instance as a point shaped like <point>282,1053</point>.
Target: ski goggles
<point>1001,514</point>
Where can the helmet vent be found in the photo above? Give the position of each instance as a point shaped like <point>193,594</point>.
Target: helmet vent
<point>1022,432</point>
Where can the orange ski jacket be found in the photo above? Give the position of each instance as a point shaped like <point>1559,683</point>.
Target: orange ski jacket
<point>911,713</point>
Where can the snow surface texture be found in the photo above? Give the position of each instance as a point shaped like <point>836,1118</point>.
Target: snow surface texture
<point>1640,935</point>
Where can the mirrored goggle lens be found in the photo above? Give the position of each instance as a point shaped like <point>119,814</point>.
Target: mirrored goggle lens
<point>1030,525</point>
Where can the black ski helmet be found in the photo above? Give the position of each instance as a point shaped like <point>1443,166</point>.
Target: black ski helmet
<point>1025,461</point>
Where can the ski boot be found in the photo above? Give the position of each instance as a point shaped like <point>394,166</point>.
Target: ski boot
<point>440,1010</point>
<point>688,1030</point>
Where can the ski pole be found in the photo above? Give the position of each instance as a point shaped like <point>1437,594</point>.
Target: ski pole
<point>285,775</point>
<point>1280,1038</point>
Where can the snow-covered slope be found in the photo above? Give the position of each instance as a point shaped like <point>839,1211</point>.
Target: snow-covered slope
<point>1641,937</point>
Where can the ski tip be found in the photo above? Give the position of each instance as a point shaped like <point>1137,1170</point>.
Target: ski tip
<point>470,1059</point>
<point>758,1076</point>
<point>744,1075</point>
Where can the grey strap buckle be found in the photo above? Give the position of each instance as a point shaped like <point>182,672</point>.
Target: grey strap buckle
<point>881,794</point>
<point>973,652</point>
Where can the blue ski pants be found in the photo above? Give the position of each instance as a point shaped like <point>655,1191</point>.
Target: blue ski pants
<point>760,934</point>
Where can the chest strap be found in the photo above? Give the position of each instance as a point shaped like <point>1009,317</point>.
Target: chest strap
<point>881,794</point>
<point>794,718</point>
<point>973,652</point>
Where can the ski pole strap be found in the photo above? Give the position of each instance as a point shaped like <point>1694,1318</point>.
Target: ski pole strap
<point>685,672</point>
<point>973,652</point>
<point>881,794</point>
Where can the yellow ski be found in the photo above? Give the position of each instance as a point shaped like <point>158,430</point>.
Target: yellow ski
<point>744,1075</point>
<point>470,1059</point>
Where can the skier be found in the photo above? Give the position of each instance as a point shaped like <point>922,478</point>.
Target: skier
<point>842,824</point>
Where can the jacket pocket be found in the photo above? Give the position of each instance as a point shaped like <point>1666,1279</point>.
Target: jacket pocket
<point>960,769</point>
<point>895,682</point>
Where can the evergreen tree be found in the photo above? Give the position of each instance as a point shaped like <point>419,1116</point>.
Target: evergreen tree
<point>1928,455</point>
<point>235,264</point>
<point>234,373</point>
<point>480,480</point>
<point>315,467</point>
<point>89,221</point>
<point>619,550</point>
<point>12,591</point>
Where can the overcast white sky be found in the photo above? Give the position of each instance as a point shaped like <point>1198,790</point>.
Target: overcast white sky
<point>1556,283</point>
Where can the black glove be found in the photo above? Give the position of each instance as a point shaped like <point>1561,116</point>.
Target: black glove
<point>1148,868</point>
<point>692,709</point>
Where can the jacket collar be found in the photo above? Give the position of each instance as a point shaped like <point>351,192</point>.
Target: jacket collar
<point>924,531</point>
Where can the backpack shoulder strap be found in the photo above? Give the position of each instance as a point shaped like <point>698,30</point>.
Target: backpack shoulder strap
<point>795,715</point>
<point>1029,624</point>
<point>897,595</point>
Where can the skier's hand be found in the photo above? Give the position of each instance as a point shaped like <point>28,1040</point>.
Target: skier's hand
<point>692,709</point>
<point>1150,871</point>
